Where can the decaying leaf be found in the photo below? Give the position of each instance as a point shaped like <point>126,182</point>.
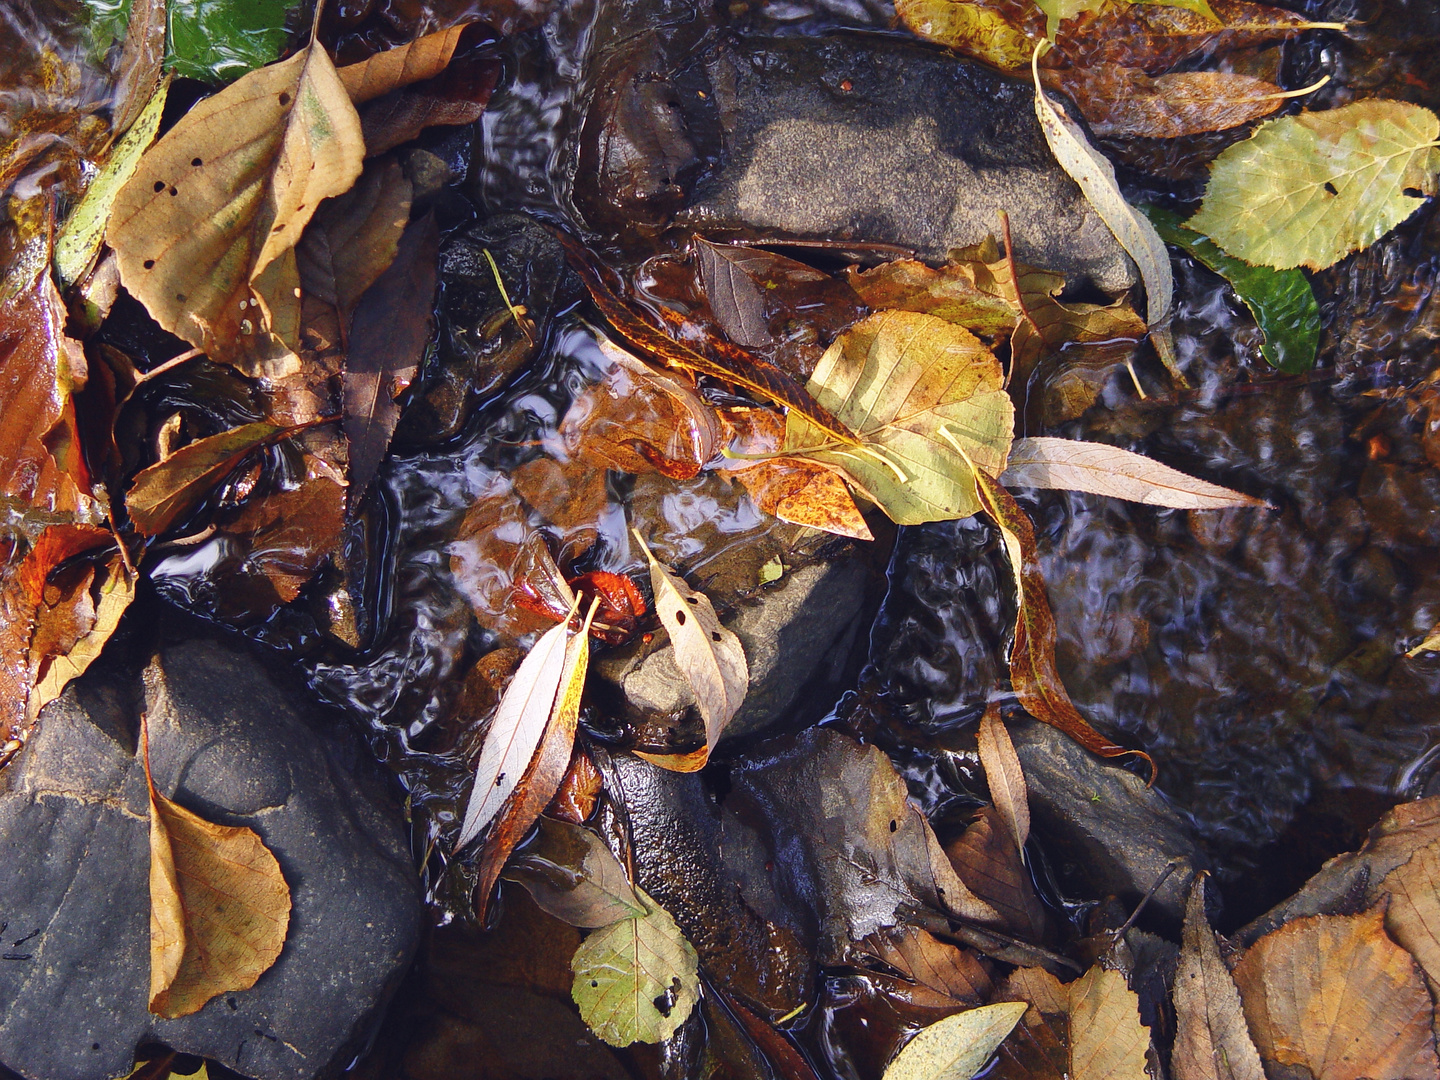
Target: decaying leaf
<point>926,960</point>
<point>956,1047</point>
<point>925,398</point>
<point>205,229</point>
<point>1122,102</point>
<point>804,493</point>
<point>987,861</point>
<point>1211,1040</point>
<point>456,96</point>
<point>951,292</point>
<point>1004,776</point>
<point>287,534</point>
<point>708,654</point>
<point>1413,916</point>
<point>219,906</point>
<point>733,294</point>
<point>165,492</point>
<point>979,31</point>
<point>636,980</point>
<point>572,874</point>
<point>1087,1030</point>
<point>102,598</point>
<point>1307,190</point>
<point>1332,994</point>
<point>1075,465</point>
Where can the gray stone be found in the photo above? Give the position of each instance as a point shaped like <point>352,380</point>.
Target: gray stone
<point>792,633</point>
<point>1121,834</point>
<point>74,886</point>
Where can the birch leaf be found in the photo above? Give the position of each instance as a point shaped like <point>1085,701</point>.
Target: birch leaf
<point>1211,1040</point>
<point>710,656</point>
<point>1307,190</point>
<point>1075,465</point>
<point>1004,776</point>
<point>1093,172</point>
<point>165,492</point>
<point>219,906</point>
<point>954,1048</point>
<point>572,874</point>
<point>636,980</point>
<point>515,732</point>
<point>926,400</point>
<point>224,195</point>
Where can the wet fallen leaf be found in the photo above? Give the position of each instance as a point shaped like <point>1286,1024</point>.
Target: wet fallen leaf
<point>1413,916</point>
<point>620,604</point>
<point>975,29</point>
<point>925,397</point>
<point>288,534</point>
<point>987,861</point>
<point>1431,643</point>
<point>391,328</point>
<point>950,292</point>
<point>1087,1030</point>
<point>205,229</point>
<point>1332,994</point>
<point>804,493</point>
<point>1033,675</point>
<point>391,69</point>
<point>572,874</point>
<point>1075,465</point>
<point>1004,776</point>
<point>1282,301</point>
<point>733,294</point>
<point>219,906</point>
<point>456,96</point>
<point>141,60</point>
<point>1307,190</point>
<point>637,979</point>
<point>165,492</point>
<point>922,957</point>
<point>1120,102</point>
<point>1211,1040</point>
<point>708,654</point>
<point>104,595</point>
<point>956,1047</point>
<point>580,790</point>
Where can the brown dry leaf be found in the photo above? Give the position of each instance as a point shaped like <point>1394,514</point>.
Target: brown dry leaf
<point>1122,102</point>
<point>922,957</point>
<point>165,492</point>
<point>288,534</point>
<point>1333,995</point>
<point>1038,1048</point>
<point>456,96</point>
<point>1413,917</point>
<point>1211,1040</point>
<point>387,341</point>
<point>205,230</point>
<point>988,862</point>
<point>1033,675</point>
<point>1107,1040</point>
<point>423,58</point>
<point>1075,465</point>
<point>805,493</point>
<point>219,906</point>
<point>1004,776</point>
<point>93,613</point>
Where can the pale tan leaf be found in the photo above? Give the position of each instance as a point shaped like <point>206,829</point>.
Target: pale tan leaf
<point>1004,776</point>
<point>1333,995</point>
<point>224,194</point>
<point>708,654</point>
<point>1413,917</point>
<point>954,1048</point>
<point>1041,989</point>
<point>1430,644</point>
<point>1211,1040</point>
<point>1107,1040</point>
<point>219,907</point>
<point>1075,465</point>
<point>423,58</point>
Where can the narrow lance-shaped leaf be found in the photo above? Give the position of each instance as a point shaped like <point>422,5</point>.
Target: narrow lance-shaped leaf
<point>1033,675</point>
<point>1075,465</point>
<point>954,1048</point>
<point>572,874</point>
<point>709,655</point>
<point>1004,776</point>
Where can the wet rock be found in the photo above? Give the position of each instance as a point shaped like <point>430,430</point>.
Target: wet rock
<point>1119,835</point>
<point>796,632</point>
<point>837,138</point>
<point>74,891</point>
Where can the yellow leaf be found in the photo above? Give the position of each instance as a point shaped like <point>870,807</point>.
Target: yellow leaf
<point>219,906</point>
<point>954,1048</point>
<point>115,592</point>
<point>978,31</point>
<point>804,493</point>
<point>1107,1040</point>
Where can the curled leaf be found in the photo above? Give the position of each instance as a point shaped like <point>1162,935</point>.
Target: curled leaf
<point>1004,776</point>
<point>165,492</point>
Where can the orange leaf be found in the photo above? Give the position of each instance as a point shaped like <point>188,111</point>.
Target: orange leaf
<point>804,493</point>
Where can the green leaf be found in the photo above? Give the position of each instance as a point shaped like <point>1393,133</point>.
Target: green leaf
<point>916,389</point>
<point>1281,300</point>
<point>220,40</point>
<point>956,1047</point>
<point>1307,190</point>
<point>636,980</point>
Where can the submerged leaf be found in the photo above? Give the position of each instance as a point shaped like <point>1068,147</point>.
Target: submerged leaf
<point>956,1047</point>
<point>975,29</point>
<point>636,980</point>
<point>1121,102</point>
<point>804,493</point>
<point>1307,190</point>
<point>1076,465</point>
<point>391,69</point>
<point>1211,1040</point>
<point>220,40</point>
<point>165,492</point>
<point>734,297</point>
<point>572,874</point>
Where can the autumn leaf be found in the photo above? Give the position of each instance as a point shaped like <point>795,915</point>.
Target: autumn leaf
<point>804,493</point>
<point>733,294</point>
<point>572,874</point>
<point>951,292</point>
<point>708,654</point>
<point>975,29</point>
<point>637,979</point>
<point>954,1048</point>
<point>287,534</point>
<point>1211,1040</point>
<point>1075,465</point>
<point>1087,1030</point>
<point>927,961</point>
<point>925,398</point>
<point>205,229</point>
<point>1122,102</point>
<point>1333,995</point>
<point>219,906</point>
<point>987,861</point>
<point>1413,915</point>
<point>104,595</point>
<point>391,69</point>
<point>1004,776</point>
<point>1307,190</point>
<point>456,96</point>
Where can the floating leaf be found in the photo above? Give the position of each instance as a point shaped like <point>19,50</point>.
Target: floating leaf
<point>804,493</point>
<point>1004,776</point>
<point>79,241</point>
<point>165,492</point>
<point>1333,995</point>
<point>572,874</point>
<point>1307,190</point>
<point>220,40</point>
<point>956,1047</point>
<point>734,297</point>
<point>1211,1040</point>
<point>925,397</point>
<point>1281,300</point>
<point>205,229</point>
<point>636,980</point>
<point>1075,465</point>
<point>708,654</point>
<point>219,906</point>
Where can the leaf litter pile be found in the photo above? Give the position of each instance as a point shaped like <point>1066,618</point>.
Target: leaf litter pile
<point>250,311</point>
